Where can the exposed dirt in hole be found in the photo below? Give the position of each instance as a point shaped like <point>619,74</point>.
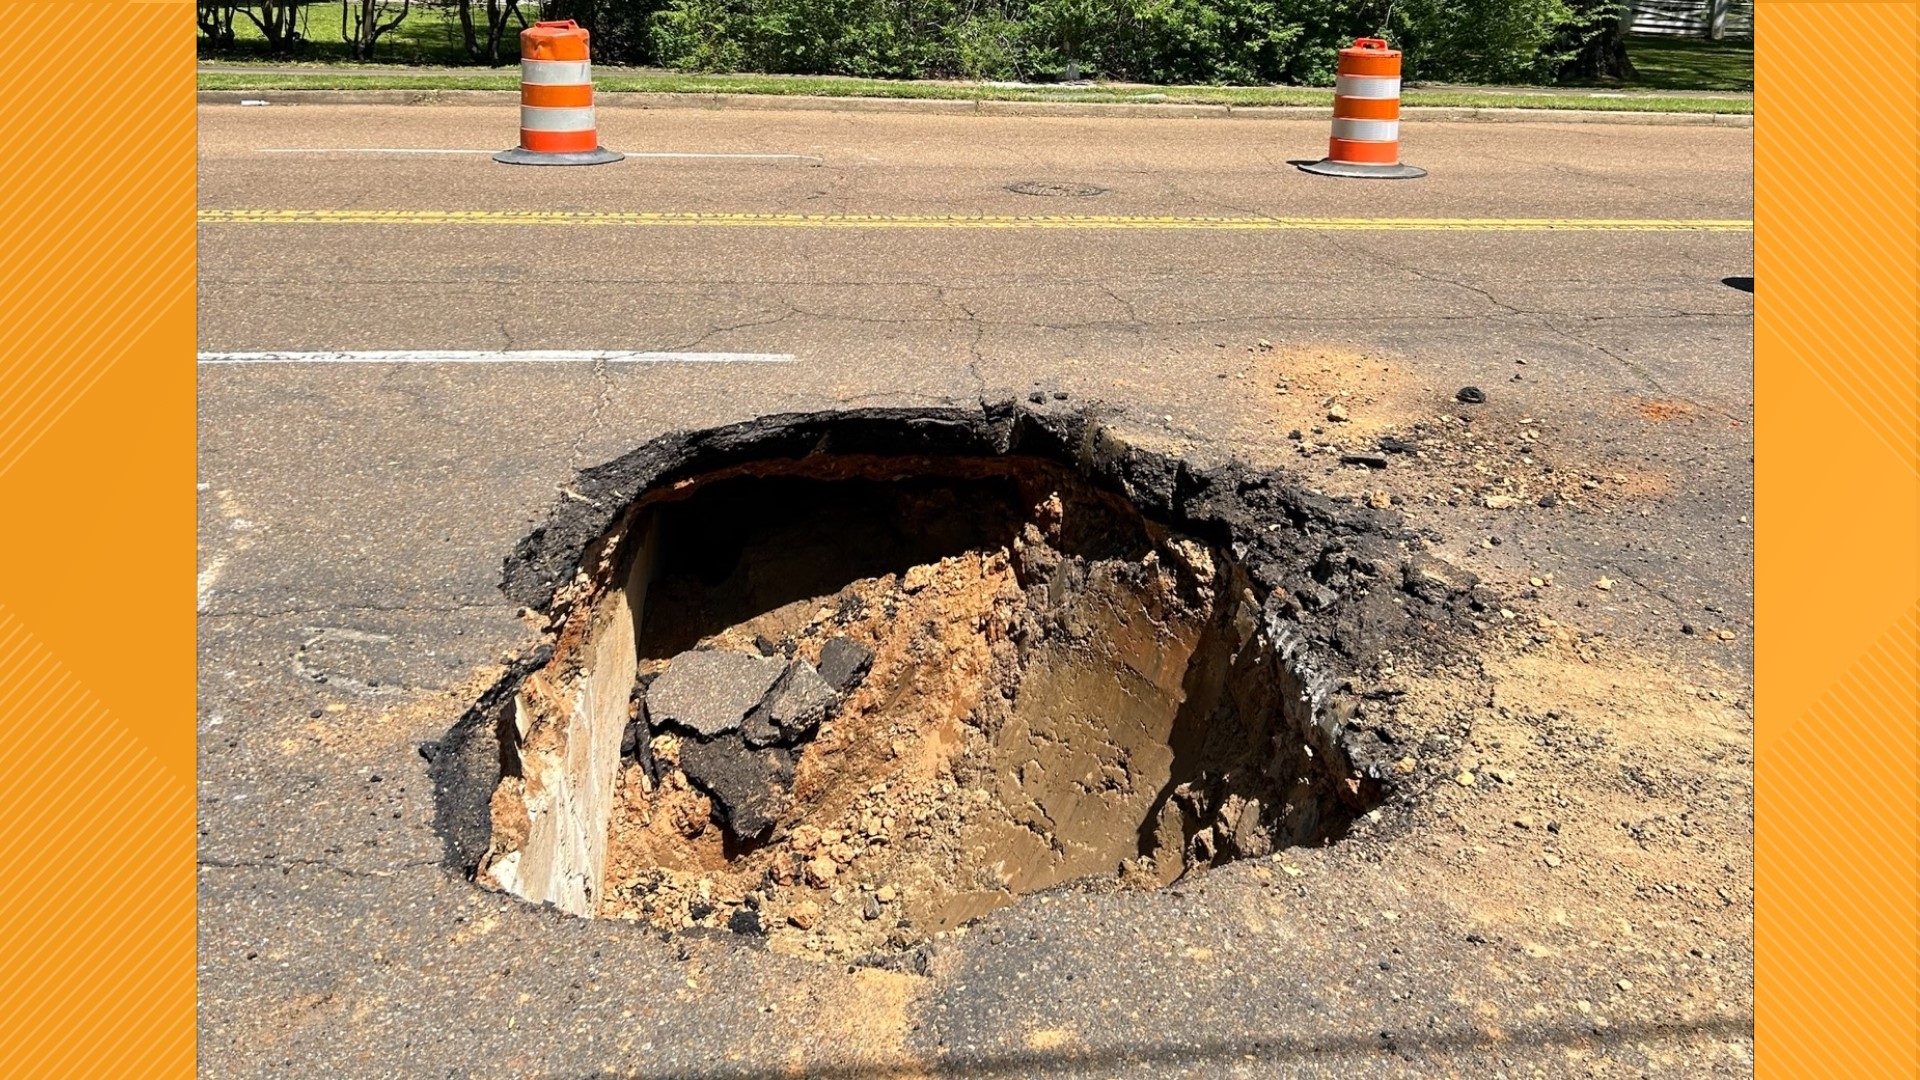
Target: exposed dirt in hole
<point>1031,716</point>
<point>998,746</point>
<point>1083,663</point>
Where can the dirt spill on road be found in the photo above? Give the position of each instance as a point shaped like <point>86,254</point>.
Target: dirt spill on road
<point>1378,433</point>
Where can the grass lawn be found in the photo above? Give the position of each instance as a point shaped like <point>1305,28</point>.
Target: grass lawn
<point>428,35</point>
<point>1665,63</point>
<point>830,86</point>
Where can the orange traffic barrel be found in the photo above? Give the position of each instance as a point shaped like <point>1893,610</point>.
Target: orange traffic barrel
<point>556,100</point>
<point>1366,116</point>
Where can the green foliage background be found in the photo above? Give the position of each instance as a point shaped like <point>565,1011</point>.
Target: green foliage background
<point>1169,42</point>
<point>1158,41</point>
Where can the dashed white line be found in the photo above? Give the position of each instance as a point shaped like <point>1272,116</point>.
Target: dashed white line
<point>364,150</point>
<point>463,356</point>
<point>722,157</point>
<point>438,150</point>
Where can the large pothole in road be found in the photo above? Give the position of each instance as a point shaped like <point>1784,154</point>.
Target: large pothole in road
<point>857,678</point>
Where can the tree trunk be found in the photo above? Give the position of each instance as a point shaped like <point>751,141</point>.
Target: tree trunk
<point>361,25</point>
<point>1717,19</point>
<point>468,39</point>
<point>275,20</point>
<point>1603,54</point>
<point>216,20</point>
<point>498,14</point>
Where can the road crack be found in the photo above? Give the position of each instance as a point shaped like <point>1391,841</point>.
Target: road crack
<point>283,866</point>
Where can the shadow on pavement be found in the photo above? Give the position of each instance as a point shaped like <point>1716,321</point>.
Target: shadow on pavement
<point>1277,1049</point>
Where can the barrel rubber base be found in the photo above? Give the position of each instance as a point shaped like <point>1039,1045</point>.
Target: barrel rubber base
<point>599,155</point>
<point>1356,171</point>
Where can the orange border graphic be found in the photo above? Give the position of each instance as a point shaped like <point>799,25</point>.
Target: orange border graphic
<point>96,623</point>
<point>96,632</point>
<point>1837,788</point>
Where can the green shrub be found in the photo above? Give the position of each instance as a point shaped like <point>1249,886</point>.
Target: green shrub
<point>701,35</point>
<point>988,47</point>
<point>1481,41</point>
<point>1159,41</point>
<point>881,38</point>
<point>622,29</point>
<point>1243,42</point>
<point>1230,41</point>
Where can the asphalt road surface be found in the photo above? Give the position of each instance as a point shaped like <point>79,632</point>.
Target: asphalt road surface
<point>353,516</point>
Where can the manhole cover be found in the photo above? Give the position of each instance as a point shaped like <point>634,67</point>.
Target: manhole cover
<point>860,677</point>
<point>1056,189</point>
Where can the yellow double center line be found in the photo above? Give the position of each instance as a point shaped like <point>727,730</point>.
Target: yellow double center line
<point>961,221</point>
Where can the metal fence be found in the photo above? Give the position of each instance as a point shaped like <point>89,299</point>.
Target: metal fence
<point>1712,19</point>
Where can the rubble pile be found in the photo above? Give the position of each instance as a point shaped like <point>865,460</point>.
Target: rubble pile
<point>740,719</point>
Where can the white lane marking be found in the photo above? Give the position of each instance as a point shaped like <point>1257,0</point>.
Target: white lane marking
<point>724,157</point>
<point>428,150</point>
<point>461,356</point>
<point>209,575</point>
<point>207,579</point>
<point>363,150</point>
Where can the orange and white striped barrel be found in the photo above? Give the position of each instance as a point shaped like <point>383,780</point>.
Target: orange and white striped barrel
<point>556,99</point>
<point>1366,115</point>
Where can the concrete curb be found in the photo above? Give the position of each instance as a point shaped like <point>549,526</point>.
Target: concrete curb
<point>1565,116</point>
<point>943,107</point>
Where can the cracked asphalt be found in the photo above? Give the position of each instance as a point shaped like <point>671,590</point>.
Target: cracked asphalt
<point>353,519</point>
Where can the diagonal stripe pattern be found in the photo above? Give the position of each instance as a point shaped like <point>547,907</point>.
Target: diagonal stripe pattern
<point>1828,903</point>
<point>1847,219</point>
<point>71,226</point>
<point>96,931</point>
<point>97,925</point>
<point>1837,791</point>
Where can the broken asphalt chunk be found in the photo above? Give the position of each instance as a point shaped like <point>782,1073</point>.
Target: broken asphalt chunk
<point>803,698</point>
<point>708,691</point>
<point>843,663</point>
<point>749,788</point>
<point>758,728</point>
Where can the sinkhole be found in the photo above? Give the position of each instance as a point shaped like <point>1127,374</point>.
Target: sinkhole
<point>856,678</point>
